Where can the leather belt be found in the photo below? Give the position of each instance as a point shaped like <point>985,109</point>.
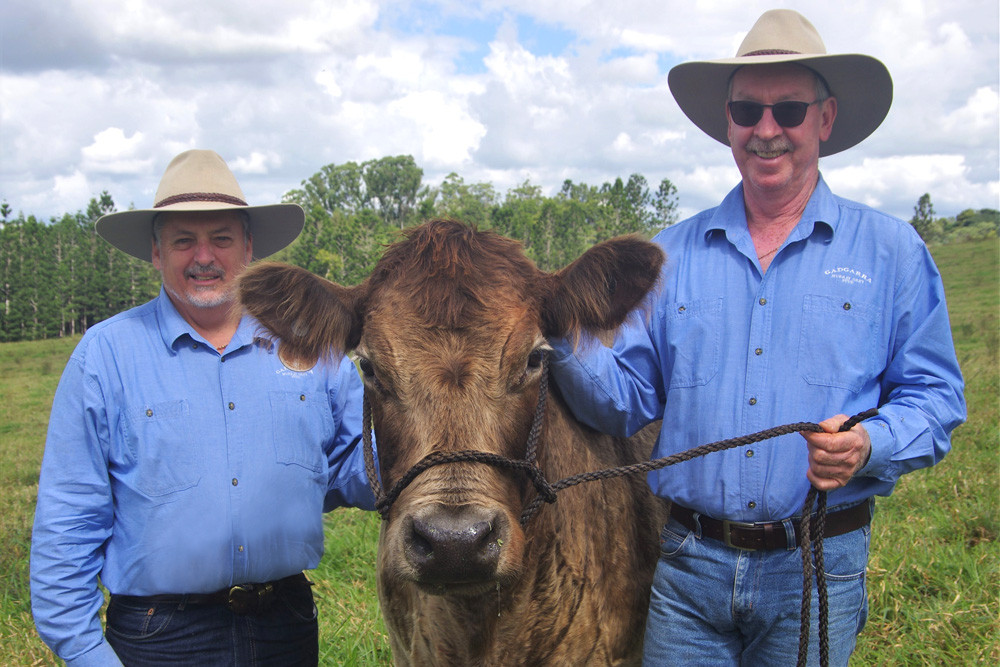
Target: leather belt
<point>770,535</point>
<point>241,599</point>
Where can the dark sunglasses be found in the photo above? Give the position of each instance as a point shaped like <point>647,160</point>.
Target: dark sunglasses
<point>786,114</point>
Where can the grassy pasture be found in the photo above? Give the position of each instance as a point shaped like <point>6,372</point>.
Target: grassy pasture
<point>934,575</point>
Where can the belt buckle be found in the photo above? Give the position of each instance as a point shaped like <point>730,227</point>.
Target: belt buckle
<point>241,600</point>
<point>249,598</point>
<point>727,540</point>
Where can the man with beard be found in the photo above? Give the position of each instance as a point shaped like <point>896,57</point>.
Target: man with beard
<point>783,304</point>
<point>188,462</point>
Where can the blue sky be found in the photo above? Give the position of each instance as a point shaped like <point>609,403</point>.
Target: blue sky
<point>100,96</point>
<point>477,28</point>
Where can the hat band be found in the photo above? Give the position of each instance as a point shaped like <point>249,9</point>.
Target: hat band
<point>200,196</point>
<point>771,52</point>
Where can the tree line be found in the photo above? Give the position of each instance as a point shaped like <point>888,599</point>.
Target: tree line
<point>353,210</point>
<point>969,225</point>
<point>57,277</point>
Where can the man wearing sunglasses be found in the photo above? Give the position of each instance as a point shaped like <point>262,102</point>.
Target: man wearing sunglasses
<point>783,304</point>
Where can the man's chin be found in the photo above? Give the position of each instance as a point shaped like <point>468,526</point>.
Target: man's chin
<point>209,301</point>
<point>205,298</point>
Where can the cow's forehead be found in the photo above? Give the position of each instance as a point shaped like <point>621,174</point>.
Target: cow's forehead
<point>449,276</point>
<point>490,330</point>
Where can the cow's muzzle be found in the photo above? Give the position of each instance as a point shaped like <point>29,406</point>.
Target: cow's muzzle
<point>450,546</point>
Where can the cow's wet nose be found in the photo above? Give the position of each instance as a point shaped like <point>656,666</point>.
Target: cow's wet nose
<point>452,547</point>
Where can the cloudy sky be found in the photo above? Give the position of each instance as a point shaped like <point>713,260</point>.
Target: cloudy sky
<point>100,94</point>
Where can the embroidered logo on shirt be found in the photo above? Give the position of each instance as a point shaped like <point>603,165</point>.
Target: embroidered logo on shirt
<point>848,276</point>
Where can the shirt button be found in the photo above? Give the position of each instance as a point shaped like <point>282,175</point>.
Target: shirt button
<point>302,397</point>
<point>194,346</point>
<point>149,413</point>
<point>753,401</point>
<point>681,309</point>
<point>235,481</point>
<point>232,406</point>
<point>758,351</point>
<point>847,306</point>
<point>240,548</point>
<point>749,453</point>
<point>751,504</point>
<point>762,301</point>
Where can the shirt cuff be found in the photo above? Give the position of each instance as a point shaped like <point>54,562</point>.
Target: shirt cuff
<point>881,441</point>
<point>101,655</point>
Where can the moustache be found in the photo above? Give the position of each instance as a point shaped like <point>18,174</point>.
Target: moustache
<point>768,148</point>
<point>205,271</point>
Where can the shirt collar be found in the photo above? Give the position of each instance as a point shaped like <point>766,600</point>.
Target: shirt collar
<point>821,216</point>
<point>173,326</point>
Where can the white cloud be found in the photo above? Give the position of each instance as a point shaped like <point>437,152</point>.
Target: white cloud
<point>447,134</point>
<point>74,187</point>
<point>645,41</point>
<point>880,181</point>
<point>328,82</point>
<point>536,89</point>
<point>114,153</point>
<point>255,163</point>
<point>539,81</point>
<point>979,117</point>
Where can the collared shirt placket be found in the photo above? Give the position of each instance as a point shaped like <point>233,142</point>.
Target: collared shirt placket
<point>755,395</point>
<point>234,413</point>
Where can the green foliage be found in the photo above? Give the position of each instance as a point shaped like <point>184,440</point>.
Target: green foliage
<point>58,278</point>
<point>353,211</point>
<point>934,574</point>
<point>470,203</point>
<point>969,225</point>
<point>29,373</point>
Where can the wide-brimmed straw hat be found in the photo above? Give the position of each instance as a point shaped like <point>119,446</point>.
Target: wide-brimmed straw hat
<point>200,180</point>
<point>860,83</point>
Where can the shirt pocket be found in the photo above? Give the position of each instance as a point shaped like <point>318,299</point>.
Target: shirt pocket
<point>165,454</point>
<point>302,424</point>
<point>694,334</point>
<point>837,342</point>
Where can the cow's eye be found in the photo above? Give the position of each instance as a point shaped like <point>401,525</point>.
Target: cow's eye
<point>367,370</point>
<point>532,365</point>
<point>535,359</point>
<point>368,374</point>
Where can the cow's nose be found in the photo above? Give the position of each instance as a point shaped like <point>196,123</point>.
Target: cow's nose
<point>455,545</point>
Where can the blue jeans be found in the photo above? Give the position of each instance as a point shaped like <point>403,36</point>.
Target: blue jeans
<point>177,634</point>
<point>715,605</point>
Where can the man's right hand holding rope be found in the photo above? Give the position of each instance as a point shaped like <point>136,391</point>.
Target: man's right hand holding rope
<point>835,457</point>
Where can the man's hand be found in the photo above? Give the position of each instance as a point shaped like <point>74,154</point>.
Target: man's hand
<point>834,457</point>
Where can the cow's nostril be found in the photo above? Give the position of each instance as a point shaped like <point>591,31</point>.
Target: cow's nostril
<point>421,546</point>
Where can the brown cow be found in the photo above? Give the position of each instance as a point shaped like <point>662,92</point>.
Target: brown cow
<point>449,331</point>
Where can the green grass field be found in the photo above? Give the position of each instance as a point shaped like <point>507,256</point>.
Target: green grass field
<point>934,576</point>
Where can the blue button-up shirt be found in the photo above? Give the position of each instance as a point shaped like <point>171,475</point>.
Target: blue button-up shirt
<point>170,468</point>
<point>850,315</point>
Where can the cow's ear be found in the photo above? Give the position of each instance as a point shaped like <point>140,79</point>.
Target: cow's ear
<point>312,317</point>
<point>598,290</point>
